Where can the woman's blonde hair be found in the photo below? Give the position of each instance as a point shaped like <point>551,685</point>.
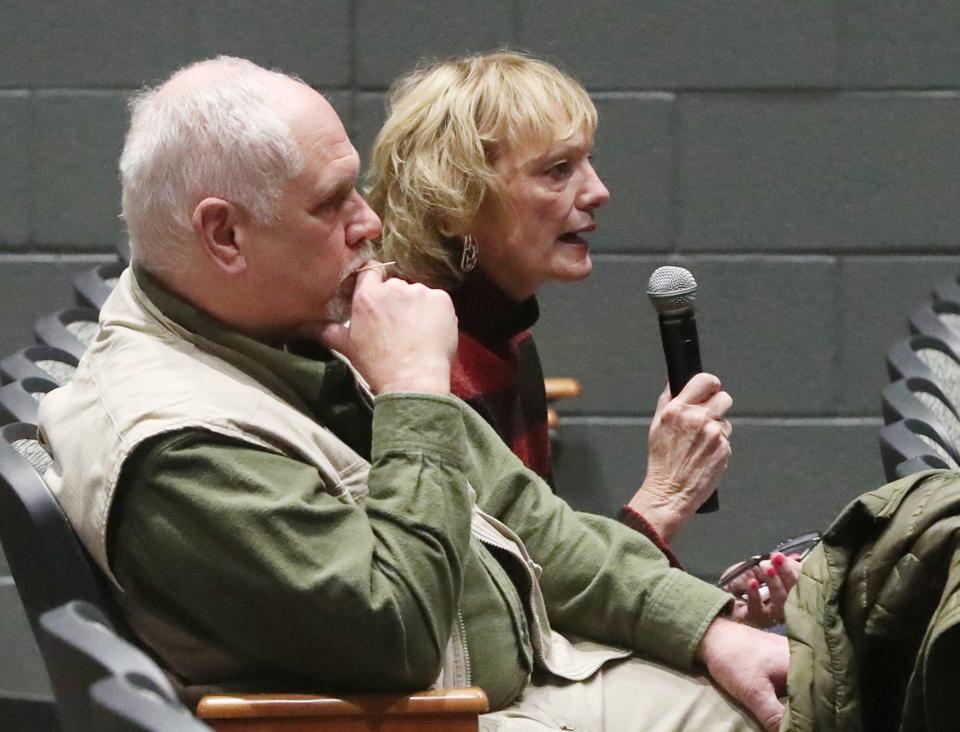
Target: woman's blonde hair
<point>432,163</point>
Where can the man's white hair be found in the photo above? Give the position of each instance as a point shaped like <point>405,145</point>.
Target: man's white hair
<point>221,136</point>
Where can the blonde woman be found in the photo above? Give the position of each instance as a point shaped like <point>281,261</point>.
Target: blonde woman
<point>483,178</point>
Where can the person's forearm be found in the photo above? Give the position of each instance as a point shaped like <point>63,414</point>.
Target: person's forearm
<point>624,585</point>
<point>629,516</point>
<point>664,513</point>
<point>294,575</point>
<point>600,579</point>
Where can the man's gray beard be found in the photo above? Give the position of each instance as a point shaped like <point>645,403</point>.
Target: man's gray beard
<point>337,310</point>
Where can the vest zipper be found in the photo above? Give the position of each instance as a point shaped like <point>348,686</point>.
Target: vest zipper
<point>534,570</point>
<point>466,651</point>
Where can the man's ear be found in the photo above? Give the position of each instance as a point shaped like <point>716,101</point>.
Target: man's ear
<point>214,223</point>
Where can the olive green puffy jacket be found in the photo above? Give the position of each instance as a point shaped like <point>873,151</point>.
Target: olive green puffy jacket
<point>874,620</point>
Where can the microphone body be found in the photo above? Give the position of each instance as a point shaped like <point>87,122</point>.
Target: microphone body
<point>678,332</point>
<point>673,292</point>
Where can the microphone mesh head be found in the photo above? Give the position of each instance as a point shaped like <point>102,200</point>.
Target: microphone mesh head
<point>672,289</point>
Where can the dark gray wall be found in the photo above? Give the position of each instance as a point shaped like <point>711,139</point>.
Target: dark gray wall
<point>800,158</point>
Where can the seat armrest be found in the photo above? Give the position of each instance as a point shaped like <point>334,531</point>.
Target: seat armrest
<point>559,387</point>
<point>441,710</point>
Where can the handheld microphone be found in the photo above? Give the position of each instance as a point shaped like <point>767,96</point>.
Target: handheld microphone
<point>673,291</point>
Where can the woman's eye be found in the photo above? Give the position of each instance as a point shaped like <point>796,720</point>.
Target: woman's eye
<point>563,169</point>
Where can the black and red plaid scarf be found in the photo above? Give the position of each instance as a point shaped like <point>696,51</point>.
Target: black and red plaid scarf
<point>497,370</point>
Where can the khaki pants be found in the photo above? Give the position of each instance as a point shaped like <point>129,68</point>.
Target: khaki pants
<point>626,696</point>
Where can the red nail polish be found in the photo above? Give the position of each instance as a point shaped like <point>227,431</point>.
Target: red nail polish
<point>754,584</point>
<point>771,571</point>
<point>777,559</point>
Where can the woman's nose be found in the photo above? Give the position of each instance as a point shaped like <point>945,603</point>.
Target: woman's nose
<point>594,193</point>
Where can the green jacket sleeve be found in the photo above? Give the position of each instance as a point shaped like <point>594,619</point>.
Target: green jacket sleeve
<point>600,580</point>
<point>243,547</point>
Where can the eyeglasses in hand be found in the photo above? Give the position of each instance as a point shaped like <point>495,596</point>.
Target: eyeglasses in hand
<point>799,545</point>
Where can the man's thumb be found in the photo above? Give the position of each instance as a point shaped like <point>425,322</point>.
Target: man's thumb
<point>771,712</point>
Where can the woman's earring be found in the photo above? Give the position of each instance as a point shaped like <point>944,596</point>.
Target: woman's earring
<point>468,259</point>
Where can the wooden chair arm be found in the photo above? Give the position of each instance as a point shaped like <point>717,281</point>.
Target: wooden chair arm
<point>441,710</point>
<point>561,387</point>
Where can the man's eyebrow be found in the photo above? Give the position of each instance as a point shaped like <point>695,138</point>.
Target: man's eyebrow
<point>346,185</point>
<point>338,189</point>
<point>342,182</point>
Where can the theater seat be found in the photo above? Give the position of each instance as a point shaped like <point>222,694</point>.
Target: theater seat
<point>921,405</point>
<point>52,570</point>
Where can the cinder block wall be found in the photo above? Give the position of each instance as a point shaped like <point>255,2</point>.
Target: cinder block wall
<point>800,158</point>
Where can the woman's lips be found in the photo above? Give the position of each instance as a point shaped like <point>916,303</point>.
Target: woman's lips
<point>576,237</point>
<point>573,239</point>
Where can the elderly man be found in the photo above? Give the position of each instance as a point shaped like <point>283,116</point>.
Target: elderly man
<point>272,513</point>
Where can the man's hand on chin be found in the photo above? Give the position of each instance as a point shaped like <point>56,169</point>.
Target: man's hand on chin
<point>401,336</point>
<point>750,665</point>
